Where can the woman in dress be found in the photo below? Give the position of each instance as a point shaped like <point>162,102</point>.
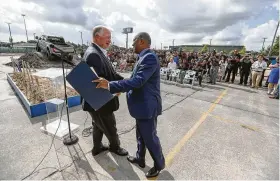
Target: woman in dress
<point>273,77</point>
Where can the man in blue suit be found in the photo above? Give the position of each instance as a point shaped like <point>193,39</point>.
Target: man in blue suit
<point>144,102</point>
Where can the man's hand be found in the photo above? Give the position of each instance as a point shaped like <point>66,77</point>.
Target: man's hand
<point>102,83</point>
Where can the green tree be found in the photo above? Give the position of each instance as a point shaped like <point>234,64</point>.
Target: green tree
<point>231,52</point>
<point>275,48</point>
<point>243,51</point>
<point>266,52</point>
<point>204,49</point>
<point>225,51</point>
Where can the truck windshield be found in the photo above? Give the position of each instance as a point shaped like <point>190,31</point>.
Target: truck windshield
<point>56,40</point>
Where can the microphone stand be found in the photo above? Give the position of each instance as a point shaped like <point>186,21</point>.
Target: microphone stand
<point>70,139</point>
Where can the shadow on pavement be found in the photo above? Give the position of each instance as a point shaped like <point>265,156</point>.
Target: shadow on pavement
<point>120,171</point>
<point>80,166</point>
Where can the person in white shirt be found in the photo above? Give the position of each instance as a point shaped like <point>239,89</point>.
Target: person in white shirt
<point>172,64</point>
<point>257,70</point>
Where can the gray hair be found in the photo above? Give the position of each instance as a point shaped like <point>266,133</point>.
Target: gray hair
<point>144,36</point>
<point>99,30</point>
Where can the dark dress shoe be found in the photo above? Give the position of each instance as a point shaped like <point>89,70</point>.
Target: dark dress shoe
<point>132,159</point>
<point>153,172</point>
<point>120,151</point>
<point>96,151</point>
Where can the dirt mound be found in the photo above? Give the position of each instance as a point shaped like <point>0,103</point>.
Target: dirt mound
<point>33,59</point>
<point>38,60</point>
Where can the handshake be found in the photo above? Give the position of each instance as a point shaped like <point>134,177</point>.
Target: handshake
<point>104,84</point>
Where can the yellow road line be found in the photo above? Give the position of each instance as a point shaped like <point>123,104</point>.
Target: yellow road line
<point>169,158</point>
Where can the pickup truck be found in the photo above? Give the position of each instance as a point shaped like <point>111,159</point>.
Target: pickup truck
<point>44,42</point>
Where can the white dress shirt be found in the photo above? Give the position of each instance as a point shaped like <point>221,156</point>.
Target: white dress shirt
<point>172,65</point>
<point>103,50</point>
<point>259,66</point>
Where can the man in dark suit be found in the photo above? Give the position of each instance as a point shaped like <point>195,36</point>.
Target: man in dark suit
<point>144,102</point>
<point>104,121</point>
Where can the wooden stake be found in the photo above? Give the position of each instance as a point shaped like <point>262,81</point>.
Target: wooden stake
<point>13,63</point>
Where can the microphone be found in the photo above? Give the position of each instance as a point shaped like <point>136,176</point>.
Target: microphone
<point>71,138</point>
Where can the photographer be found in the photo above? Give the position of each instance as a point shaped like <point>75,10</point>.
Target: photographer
<point>214,62</point>
<point>200,68</point>
<point>245,66</point>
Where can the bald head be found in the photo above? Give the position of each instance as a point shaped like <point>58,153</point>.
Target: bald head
<point>141,41</point>
<point>144,36</point>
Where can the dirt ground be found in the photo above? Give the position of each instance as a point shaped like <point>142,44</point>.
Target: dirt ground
<point>39,89</point>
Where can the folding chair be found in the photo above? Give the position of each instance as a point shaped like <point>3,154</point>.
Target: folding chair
<point>173,74</point>
<point>163,73</point>
<point>190,75</point>
<point>181,76</point>
<point>115,65</point>
<point>176,75</point>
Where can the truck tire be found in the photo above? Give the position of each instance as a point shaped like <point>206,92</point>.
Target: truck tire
<point>49,55</point>
<point>38,49</point>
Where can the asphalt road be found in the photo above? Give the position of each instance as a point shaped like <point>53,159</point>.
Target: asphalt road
<point>224,131</point>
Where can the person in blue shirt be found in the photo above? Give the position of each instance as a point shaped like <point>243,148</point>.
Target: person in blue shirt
<point>176,58</point>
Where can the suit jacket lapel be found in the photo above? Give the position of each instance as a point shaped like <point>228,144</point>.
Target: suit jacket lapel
<point>138,62</point>
<point>135,67</point>
<point>106,61</point>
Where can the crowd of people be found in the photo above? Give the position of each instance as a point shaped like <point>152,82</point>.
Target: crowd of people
<point>215,66</point>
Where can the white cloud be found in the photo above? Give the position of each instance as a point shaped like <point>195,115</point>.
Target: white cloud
<point>253,37</point>
<point>188,22</point>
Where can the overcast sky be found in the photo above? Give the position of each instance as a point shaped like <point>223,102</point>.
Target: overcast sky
<point>230,22</point>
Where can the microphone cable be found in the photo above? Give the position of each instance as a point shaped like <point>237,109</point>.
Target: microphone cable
<point>49,147</point>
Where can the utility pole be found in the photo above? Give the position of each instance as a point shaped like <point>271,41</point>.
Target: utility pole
<point>10,39</point>
<point>263,44</point>
<point>34,35</point>
<point>82,39</point>
<point>126,42</point>
<point>23,15</point>
<point>210,45</point>
<point>161,46</point>
<point>273,39</point>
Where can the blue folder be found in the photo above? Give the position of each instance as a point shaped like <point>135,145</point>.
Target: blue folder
<point>80,78</point>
